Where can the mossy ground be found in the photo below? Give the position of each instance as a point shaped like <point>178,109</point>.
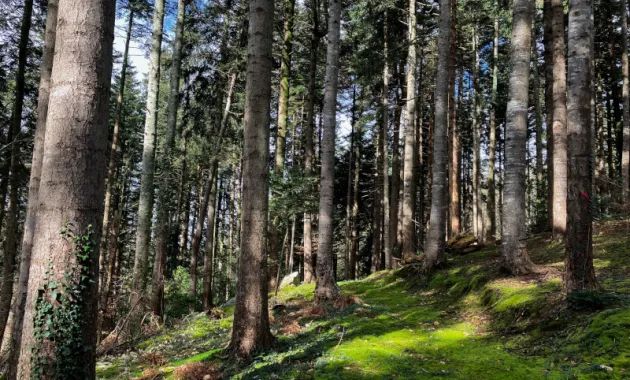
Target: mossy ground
<point>469,321</point>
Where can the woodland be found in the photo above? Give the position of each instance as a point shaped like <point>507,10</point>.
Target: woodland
<point>314,189</point>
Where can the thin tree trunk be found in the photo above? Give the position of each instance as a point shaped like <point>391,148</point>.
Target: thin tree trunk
<point>625,156</point>
<point>11,238</point>
<point>540,195</point>
<point>354,235</point>
<point>395,188</point>
<point>208,268</point>
<point>72,187</point>
<point>580,273</point>
<point>250,331</point>
<point>387,240</point>
<point>492,137</point>
<point>326,287</point>
<point>439,185</point>
<point>34,183</point>
<point>309,262</point>
<point>454,227</point>
<point>476,164</point>
<point>549,65</point>
<point>145,203</point>
<point>377,206</point>
<point>514,254</point>
<point>559,128</point>
<point>348,268</point>
<point>113,153</point>
<point>409,183</point>
<point>167,156</point>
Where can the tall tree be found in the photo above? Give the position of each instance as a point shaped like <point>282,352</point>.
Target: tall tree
<point>454,183</point>
<point>168,154</point>
<point>476,160</point>
<point>34,182</point>
<point>309,150</point>
<point>439,187</point>
<point>387,237</point>
<point>409,182</point>
<point>71,195</point>
<point>625,156</point>
<point>112,164</point>
<point>579,271</point>
<point>492,134</point>
<point>251,316</point>
<point>145,203</point>
<point>326,288</point>
<point>558,165</point>
<point>514,254</point>
<point>10,244</point>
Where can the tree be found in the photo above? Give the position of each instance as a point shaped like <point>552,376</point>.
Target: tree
<point>558,165</point>
<point>455,147</point>
<point>70,196</point>
<point>11,234</point>
<point>435,256</point>
<point>34,182</point>
<point>409,182</point>
<point>387,237</point>
<point>326,288</point>
<point>145,203</point>
<point>163,209</point>
<point>625,158</point>
<point>579,271</point>
<point>514,253</point>
<point>251,317</point>
<point>492,135</point>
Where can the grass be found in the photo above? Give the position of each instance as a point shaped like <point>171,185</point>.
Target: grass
<point>468,322</point>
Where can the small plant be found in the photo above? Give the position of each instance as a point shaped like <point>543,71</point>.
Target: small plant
<point>59,318</point>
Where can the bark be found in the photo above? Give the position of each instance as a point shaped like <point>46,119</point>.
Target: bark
<point>326,288</point>
<point>111,174</point>
<point>10,244</point>
<point>251,316</point>
<point>348,268</point>
<point>387,240</point>
<point>145,203</point>
<point>73,173</point>
<point>454,226</point>
<point>113,152</point>
<point>559,127</point>
<point>492,137</point>
<point>625,156</point>
<point>548,56</point>
<point>34,183</point>
<point>514,254</point>
<point>167,157</point>
<point>354,234</point>
<point>285,74</point>
<point>476,164</point>
<point>309,262</point>
<point>579,271</point>
<point>409,183</point>
<point>208,268</point>
<point>436,237</point>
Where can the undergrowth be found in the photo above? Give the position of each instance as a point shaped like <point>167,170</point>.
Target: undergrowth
<point>469,321</point>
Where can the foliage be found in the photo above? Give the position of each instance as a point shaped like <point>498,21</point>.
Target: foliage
<point>177,298</point>
<point>59,318</point>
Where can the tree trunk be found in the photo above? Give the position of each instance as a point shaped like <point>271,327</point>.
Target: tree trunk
<point>377,206</point>
<point>10,244</point>
<point>348,268</point>
<point>538,123</point>
<point>625,156</point>
<point>167,156</point>
<point>71,192</point>
<point>251,316</point>
<point>476,164</point>
<point>208,268</point>
<point>309,262</point>
<point>492,138</point>
<point>454,183</point>
<point>395,188</point>
<point>436,238</point>
<point>549,65</point>
<point>515,258</point>
<point>145,203</point>
<point>326,288</point>
<point>559,127</point>
<point>113,153</point>
<point>409,183</point>
<point>387,240</point>
<point>580,273</point>
<point>34,183</point>
<point>354,235</point>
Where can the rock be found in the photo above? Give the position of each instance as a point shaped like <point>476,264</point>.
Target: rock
<point>290,279</point>
<point>207,377</point>
<point>230,302</point>
<point>606,368</point>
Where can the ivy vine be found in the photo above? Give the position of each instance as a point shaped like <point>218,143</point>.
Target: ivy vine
<point>59,314</point>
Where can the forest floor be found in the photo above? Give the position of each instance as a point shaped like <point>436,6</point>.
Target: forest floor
<point>469,321</point>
